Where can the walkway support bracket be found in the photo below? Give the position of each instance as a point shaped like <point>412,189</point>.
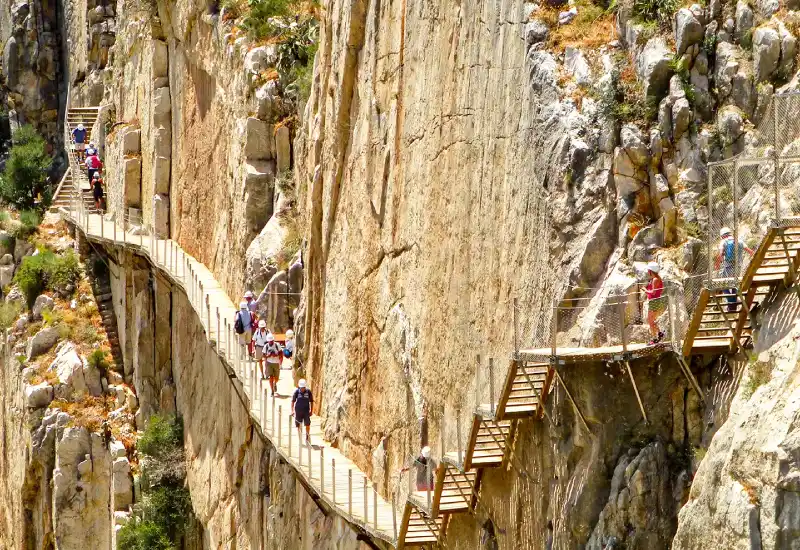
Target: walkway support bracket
<point>687,372</point>
<point>572,400</point>
<point>636,390</point>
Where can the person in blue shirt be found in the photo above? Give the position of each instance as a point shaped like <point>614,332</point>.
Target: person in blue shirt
<point>725,264</point>
<point>79,137</point>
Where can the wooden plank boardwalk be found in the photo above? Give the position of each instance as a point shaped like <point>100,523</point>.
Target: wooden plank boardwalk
<point>323,469</point>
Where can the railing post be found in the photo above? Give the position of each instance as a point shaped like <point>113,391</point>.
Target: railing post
<point>458,437</point>
<point>491,385</point>
<point>516,330</point>
<point>280,423</point>
<point>308,453</point>
<point>219,339</point>
<point>366,500</point>
<point>333,480</point>
<point>272,423</point>
<point>208,313</point>
<point>290,435</point>
<point>394,515</point>
<point>375,505</point>
<point>624,335</point>
<point>114,221</point>
<point>321,469</point>
<point>264,411</point>
<point>776,154</point>
<point>710,204</point>
<point>164,258</point>
<point>428,479</point>
<point>227,341</point>
<point>477,382</point>
<point>102,227</point>
<point>237,354</point>
<point>350,492</point>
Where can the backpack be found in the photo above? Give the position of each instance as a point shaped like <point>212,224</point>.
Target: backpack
<point>728,250</point>
<point>238,324</point>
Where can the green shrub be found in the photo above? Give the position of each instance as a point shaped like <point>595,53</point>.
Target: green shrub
<point>8,314</point>
<point>97,359</point>
<point>660,11</point>
<point>257,18</point>
<point>163,434</point>
<point>25,174</point>
<point>169,507</point>
<point>142,535</point>
<point>46,270</point>
<point>759,374</point>
<point>30,219</point>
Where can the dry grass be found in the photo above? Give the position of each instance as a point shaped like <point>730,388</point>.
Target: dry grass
<point>87,412</point>
<point>591,28</point>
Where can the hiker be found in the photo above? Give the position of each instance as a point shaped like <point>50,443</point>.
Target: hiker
<point>424,474</point>
<point>272,353</point>
<point>725,263</point>
<point>655,301</point>
<point>288,345</point>
<point>243,325</point>
<point>259,341</point>
<point>91,149</point>
<point>79,137</point>
<point>251,307</point>
<point>97,191</point>
<point>302,404</point>
<point>93,165</point>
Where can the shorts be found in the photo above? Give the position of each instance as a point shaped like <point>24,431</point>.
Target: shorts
<point>80,146</point>
<point>98,194</point>
<point>304,418</point>
<point>657,305</point>
<point>245,337</point>
<point>259,353</point>
<point>274,369</point>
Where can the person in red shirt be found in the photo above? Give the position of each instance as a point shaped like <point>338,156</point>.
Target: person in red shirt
<point>656,303</point>
<point>93,164</point>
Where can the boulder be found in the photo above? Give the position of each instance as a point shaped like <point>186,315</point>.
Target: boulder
<point>766,52</point>
<point>268,101</point>
<point>257,140</point>
<point>768,8</point>
<point>653,66</point>
<point>575,63</point>
<point>161,214</point>
<point>296,277</point>
<point>669,220</point>
<point>260,59</point>
<point>122,483</point>
<point>131,140</point>
<point>645,243</point>
<point>681,117</point>
<point>22,248</point>
<point>259,190</point>
<point>93,378</point>
<point>688,30</point>
<point>42,342</point>
<point>743,23</point>
<point>702,95</point>
<point>261,254</point>
<point>42,302</point>
<point>6,275</point>
<point>632,141</point>
<point>7,260</point>
<point>273,303</point>
<point>68,368</point>
<point>38,396</point>
<point>788,51</point>
<point>730,124</point>
<point>628,178</point>
<point>535,31</point>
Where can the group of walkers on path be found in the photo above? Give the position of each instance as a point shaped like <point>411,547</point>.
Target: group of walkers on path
<point>260,344</point>
<point>729,252</point>
<point>90,158</point>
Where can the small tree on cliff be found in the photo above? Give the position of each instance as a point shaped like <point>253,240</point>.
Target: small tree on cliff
<point>25,175</point>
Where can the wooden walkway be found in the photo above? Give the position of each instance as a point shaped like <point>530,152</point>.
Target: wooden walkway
<point>337,482</point>
<point>721,321</point>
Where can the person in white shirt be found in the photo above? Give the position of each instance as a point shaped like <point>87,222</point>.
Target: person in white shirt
<point>272,352</point>
<point>288,345</point>
<point>259,341</point>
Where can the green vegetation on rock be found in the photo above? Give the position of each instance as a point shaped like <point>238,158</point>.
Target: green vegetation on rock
<point>47,271</point>
<point>25,175</point>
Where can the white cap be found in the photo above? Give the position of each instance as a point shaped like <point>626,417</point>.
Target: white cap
<point>262,324</point>
<point>426,452</point>
<point>725,231</point>
<point>654,267</point>
<point>301,383</point>
<point>80,127</point>
<point>289,333</point>
<point>270,337</point>
<point>248,294</point>
<point>242,305</point>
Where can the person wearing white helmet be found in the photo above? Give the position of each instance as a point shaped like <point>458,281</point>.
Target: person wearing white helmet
<point>259,341</point>
<point>243,325</point>
<point>728,256</point>
<point>655,301</point>
<point>302,405</point>
<point>288,344</point>
<point>272,351</point>
<point>79,137</point>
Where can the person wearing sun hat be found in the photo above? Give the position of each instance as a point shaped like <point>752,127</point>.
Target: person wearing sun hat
<point>655,301</point>
<point>259,341</point>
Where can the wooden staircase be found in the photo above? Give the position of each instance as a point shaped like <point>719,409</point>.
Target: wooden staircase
<point>525,390</point>
<point>487,444</point>
<point>77,179</point>
<point>417,529</point>
<point>720,323</point>
<point>65,192</point>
